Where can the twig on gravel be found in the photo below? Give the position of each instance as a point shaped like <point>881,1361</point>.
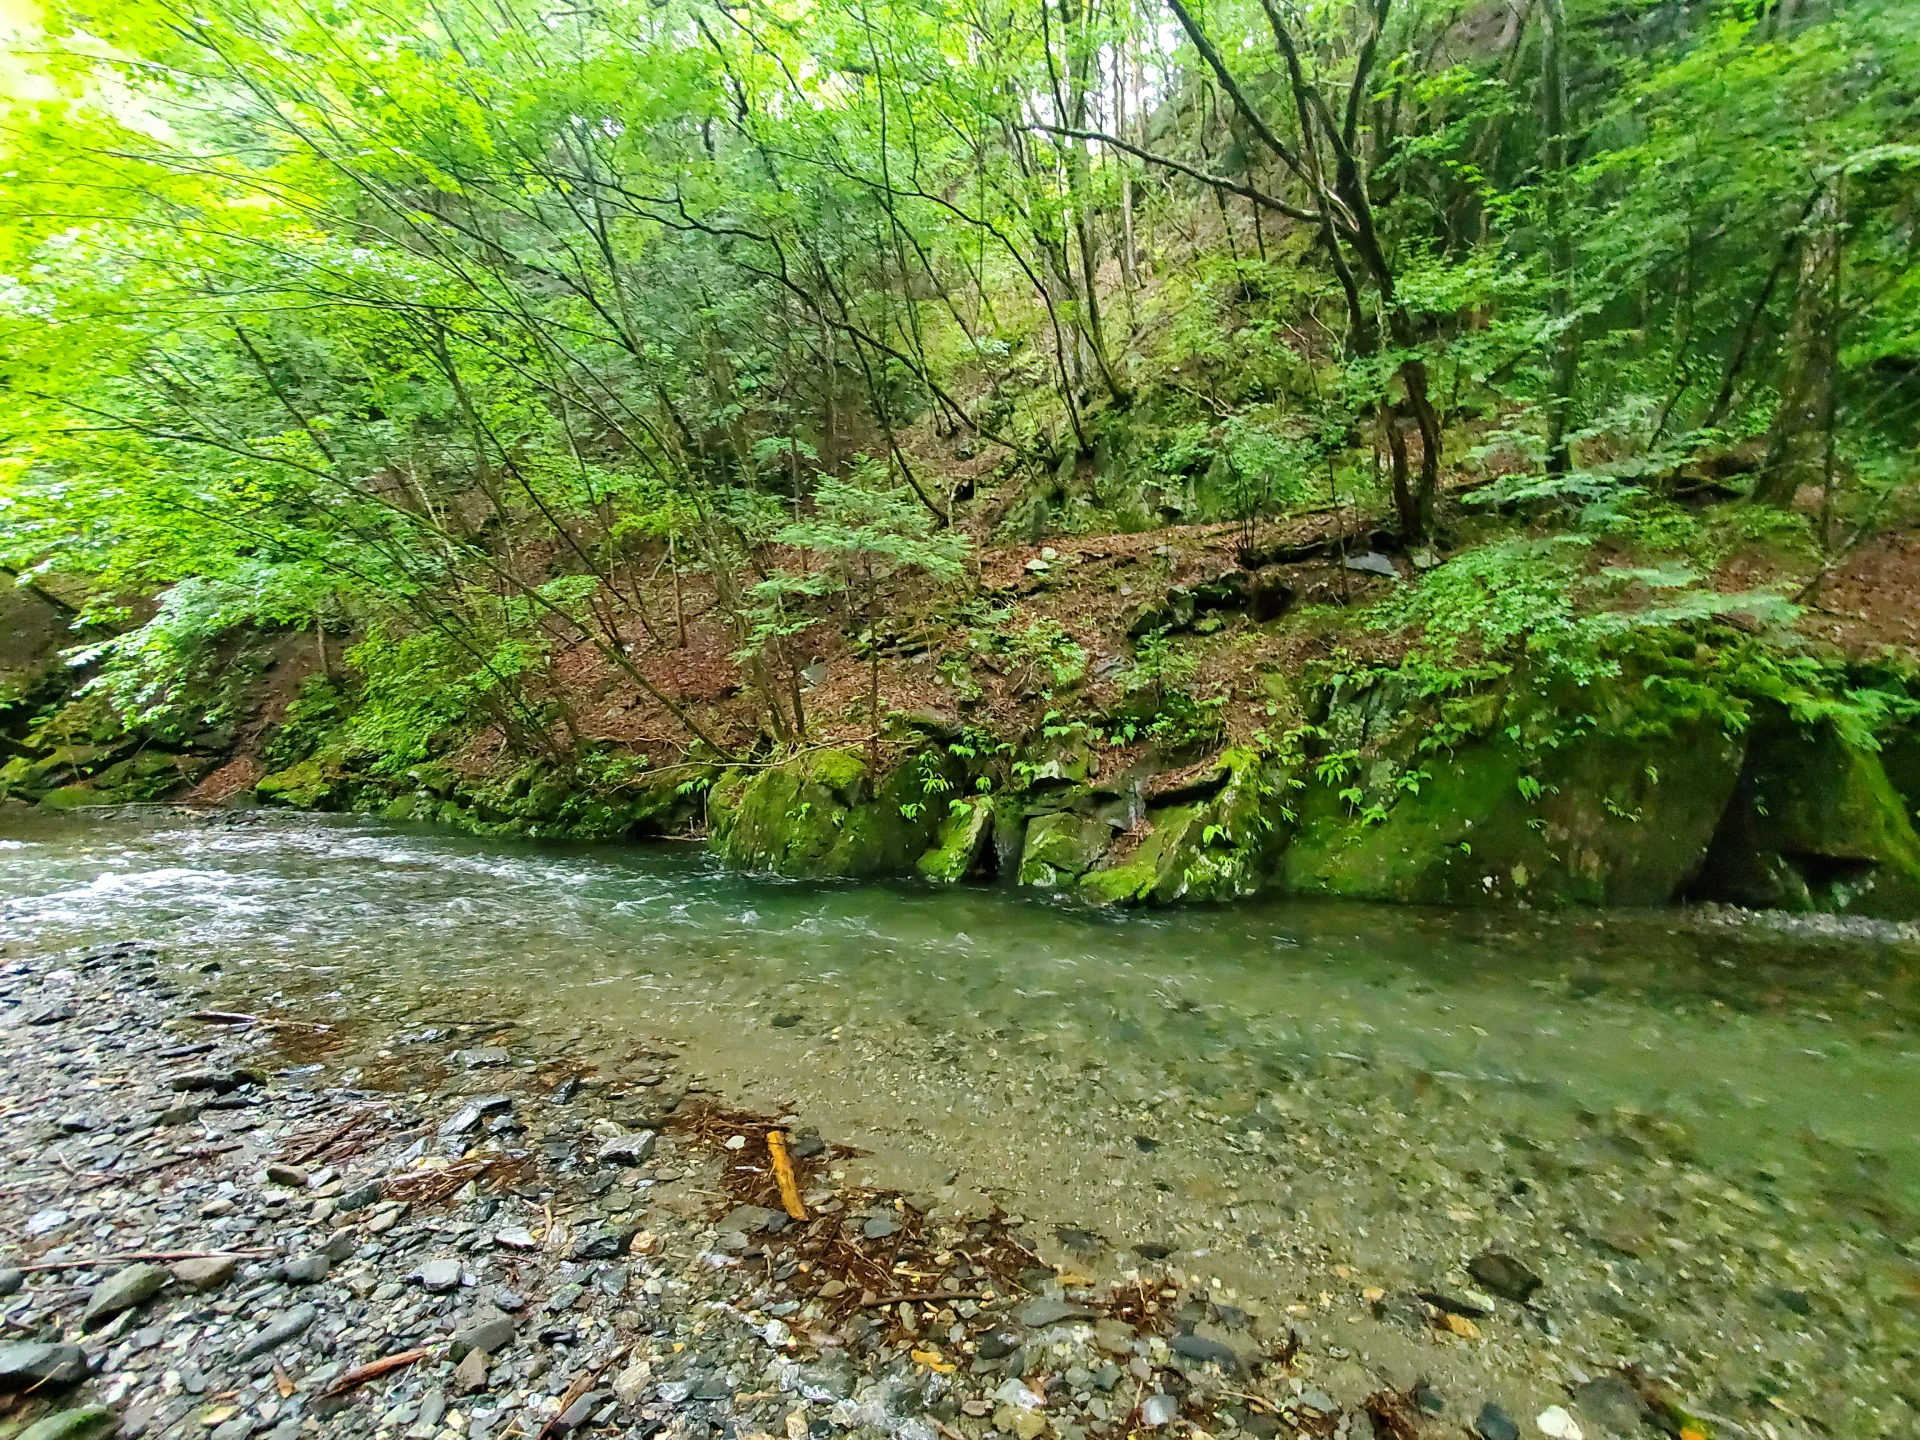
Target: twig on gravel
<point>916,1296</point>
<point>86,1262</point>
<point>234,1017</point>
<point>374,1369</point>
<point>204,1152</point>
<point>307,1152</point>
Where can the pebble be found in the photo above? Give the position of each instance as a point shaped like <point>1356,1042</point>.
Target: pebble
<point>1159,1410</point>
<point>437,1277</point>
<point>1504,1275</point>
<point>1556,1424</point>
<point>278,1332</point>
<point>209,1273</point>
<point>122,1291</point>
<point>1493,1423</point>
<point>634,1148</point>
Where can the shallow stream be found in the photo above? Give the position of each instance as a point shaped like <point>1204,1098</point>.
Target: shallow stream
<point>1704,1135</point>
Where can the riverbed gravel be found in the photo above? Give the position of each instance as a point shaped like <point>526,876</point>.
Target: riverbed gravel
<point>214,1233</point>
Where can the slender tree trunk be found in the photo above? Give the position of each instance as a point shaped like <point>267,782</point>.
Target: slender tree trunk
<point>1795,447</point>
<point>1566,356</point>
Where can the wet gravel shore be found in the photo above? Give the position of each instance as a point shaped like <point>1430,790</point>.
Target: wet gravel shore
<point>211,1233</point>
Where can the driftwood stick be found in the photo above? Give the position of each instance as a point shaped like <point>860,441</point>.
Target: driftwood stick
<point>94,1262</point>
<point>374,1369</point>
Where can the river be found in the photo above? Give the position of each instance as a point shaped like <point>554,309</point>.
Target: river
<point>1703,1134</point>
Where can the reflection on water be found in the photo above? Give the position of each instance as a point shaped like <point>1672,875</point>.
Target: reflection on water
<point>1691,1116</point>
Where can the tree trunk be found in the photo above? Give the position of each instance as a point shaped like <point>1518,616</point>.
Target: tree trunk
<point>1796,446</point>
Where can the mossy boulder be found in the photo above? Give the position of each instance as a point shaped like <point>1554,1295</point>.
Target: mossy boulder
<point>1060,847</point>
<point>1815,824</point>
<point>821,814</point>
<point>309,785</point>
<point>1217,846</point>
<point>1604,819</point>
<point>964,847</point>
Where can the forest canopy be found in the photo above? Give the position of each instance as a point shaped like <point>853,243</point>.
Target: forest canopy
<point>480,333</point>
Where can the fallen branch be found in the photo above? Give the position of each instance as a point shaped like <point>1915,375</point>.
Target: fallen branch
<point>307,1152</point>
<point>373,1370</point>
<point>929,1295</point>
<point>234,1017</point>
<point>86,1262</point>
<point>783,1175</point>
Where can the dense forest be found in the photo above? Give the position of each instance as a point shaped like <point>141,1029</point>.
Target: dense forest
<point>466,403</point>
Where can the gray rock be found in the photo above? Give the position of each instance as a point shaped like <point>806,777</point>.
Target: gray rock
<point>997,1345</point>
<point>515,1237</point>
<point>605,1242</point>
<point>485,1333</point>
<point>31,1364</point>
<point>11,1279</point>
<point>880,1227</point>
<point>208,1274</point>
<point>471,1373</point>
<point>238,1428</point>
<point>1504,1275</point>
<point>1493,1423</point>
<point>278,1332</point>
<point>292,1176</point>
<point>220,1082</point>
<point>1373,563</point>
<point>748,1219</point>
<point>1038,1314</point>
<point>307,1269</point>
<point>122,1291</point>
<point>437,1277</point>
<point>1207,1352</point>
<point>1612,1403</point>
<point>484,1057</point>
<point>633,1148</point>
<point>360,1197</point>
<point>51,1013</point>
<point>1159,1410</point>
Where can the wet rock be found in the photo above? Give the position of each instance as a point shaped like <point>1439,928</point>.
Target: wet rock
<point>1504,1275</point>
<point>122,1291</point>
<point>997,1345</point>
<point>206,1274</point>
<point>27,1365</point>
<point>1493,1423</point>
<point>1207,1352</point>
<point>220,1082</point>
<point>437,1277</point>
<point>633,1148</point>
<point>68,1424</point>
<point>278,1332</point>
<point>469,1117</point>
<point>1038,1314</point>
<point>604,1242</point>
<point>11,1279</point>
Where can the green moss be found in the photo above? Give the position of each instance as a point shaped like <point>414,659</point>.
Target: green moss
<point>810,816</point>
<point>1816,825</point>
<point>71,797</point>
<point>309,785</point>
<point>1061,847</point>
<point>962,844</point>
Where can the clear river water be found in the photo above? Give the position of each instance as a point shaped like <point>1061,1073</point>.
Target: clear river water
<point>1703,1132</point>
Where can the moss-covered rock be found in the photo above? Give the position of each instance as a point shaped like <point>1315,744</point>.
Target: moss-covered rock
<point>1060,847</point>
<point>1815,824</point>
<point>1218,846</point>
<point>1604,819</point>
<point>309,785</point>
<point>820,815</point>
<point>964,847</point>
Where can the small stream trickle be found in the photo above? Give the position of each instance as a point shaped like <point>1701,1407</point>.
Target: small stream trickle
<point>1705,1135</point>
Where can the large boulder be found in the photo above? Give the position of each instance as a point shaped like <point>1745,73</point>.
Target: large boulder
<point>822,814</point>
<point>1061,847</point>
<point>1815,824</point>
<point>964,847</point>
<point>1219,840</point>
<point>1618,810</point>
